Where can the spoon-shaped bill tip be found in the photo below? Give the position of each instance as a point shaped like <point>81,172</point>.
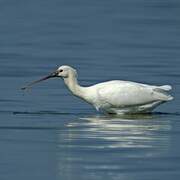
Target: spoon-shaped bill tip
<point>23,88</point>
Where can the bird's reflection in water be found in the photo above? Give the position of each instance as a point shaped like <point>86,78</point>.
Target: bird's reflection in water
<point>148,130</point>
<point>95,144</point>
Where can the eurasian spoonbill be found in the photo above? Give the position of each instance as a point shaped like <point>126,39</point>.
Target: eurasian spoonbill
<point>116,96</point>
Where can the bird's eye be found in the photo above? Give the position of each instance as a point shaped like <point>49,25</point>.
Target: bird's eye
<point>61,70</point>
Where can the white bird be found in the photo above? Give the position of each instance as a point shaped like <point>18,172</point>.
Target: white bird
<point>116,96</point>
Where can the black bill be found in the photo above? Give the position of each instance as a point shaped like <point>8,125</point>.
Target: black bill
<point>54,74</point>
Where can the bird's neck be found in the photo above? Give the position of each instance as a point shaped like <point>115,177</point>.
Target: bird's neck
<point>73,85</point>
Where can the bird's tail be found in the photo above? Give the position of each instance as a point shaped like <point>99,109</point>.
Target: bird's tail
<point>165,87</point>
<point>163,94</point>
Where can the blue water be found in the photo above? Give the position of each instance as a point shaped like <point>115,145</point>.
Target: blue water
<point>48,134</point>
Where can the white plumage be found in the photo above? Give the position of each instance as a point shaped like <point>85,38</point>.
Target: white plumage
<point>129,97</point>
<point>115,96</point>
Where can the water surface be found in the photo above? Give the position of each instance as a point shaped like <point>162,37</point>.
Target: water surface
<point>48,134</point>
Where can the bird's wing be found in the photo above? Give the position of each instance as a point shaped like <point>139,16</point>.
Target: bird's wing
<point>125,93</point>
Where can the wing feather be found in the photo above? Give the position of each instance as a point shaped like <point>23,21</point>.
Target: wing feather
<point>125,93</point>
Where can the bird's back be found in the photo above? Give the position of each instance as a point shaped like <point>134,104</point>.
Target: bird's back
<point>125,93</point>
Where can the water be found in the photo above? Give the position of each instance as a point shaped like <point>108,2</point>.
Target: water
<point>48,134</point>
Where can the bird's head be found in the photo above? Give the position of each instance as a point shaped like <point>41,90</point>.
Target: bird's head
<point>63,72</point>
